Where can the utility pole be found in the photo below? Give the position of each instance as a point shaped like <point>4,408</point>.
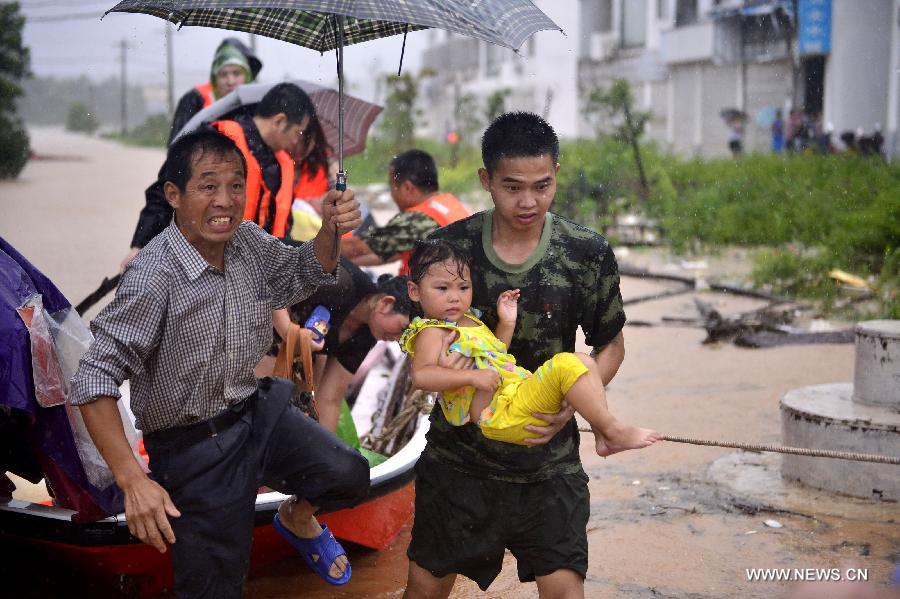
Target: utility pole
<point>170,70</point>
<point>123,58</point>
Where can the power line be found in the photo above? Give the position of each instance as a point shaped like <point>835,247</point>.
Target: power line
<point>55,4</point>
<point>81,16</point>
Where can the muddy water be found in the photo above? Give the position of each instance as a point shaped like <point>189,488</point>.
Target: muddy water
<point>659,527</point>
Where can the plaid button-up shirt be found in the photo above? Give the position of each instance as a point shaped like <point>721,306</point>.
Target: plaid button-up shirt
<point>188,335</point>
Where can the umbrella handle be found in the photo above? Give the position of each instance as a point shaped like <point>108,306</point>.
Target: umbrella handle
<point>339,185</point>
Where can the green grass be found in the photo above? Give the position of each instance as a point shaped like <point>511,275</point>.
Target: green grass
<point>153,133</point>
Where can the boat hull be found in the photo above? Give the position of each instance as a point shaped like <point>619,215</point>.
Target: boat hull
<point>109,555</point>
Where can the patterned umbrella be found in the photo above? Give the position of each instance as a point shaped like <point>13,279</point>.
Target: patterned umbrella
<point>358,114</point>
<point>313,23</point>
<point>331,24</point>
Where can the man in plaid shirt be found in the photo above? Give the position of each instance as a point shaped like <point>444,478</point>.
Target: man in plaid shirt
<point>191,318</point>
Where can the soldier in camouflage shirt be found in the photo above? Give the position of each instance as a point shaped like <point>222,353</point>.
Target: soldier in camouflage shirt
<point>414,188</point>
<point>399,235</point>
<point>475,497</point>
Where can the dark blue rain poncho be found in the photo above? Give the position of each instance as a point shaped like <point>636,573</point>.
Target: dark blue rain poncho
<point>37,442</point>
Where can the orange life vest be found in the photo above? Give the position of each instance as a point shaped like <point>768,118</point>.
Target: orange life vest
<point>258,194</point>
<point>206,92</point>
<point>314,186</point>
<point>442,208</point>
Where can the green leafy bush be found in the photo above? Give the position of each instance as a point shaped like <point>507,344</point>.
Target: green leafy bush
<point>81,119</point>
<point>14,147</point>
<point>14,68</point>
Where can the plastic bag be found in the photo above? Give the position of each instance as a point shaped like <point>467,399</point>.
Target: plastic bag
<point>49,386</point>
<point>58,341</point>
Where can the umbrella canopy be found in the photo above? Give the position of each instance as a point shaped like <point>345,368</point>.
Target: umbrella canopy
<point>358,114</point>
<point>312,23</point>
<point>733,114</point>
<point>332,24</point>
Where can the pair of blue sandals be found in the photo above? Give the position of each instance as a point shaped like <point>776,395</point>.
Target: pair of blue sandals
<point>321,551</point>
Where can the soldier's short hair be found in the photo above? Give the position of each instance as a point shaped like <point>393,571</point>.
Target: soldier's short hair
<point>434,251</point>
<point>518,135</point>
<point>418,168</point>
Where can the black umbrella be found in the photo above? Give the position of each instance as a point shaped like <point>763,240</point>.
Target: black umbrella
<point>331,24</point>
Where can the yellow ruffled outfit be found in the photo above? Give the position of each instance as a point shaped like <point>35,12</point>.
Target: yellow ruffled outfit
<point>519,395</point>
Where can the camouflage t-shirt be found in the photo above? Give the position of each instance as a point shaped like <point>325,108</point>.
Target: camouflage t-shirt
<point>570,280</point>
<point>400,234</point>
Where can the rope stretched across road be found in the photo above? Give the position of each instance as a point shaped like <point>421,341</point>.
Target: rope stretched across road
<point>804,451</point>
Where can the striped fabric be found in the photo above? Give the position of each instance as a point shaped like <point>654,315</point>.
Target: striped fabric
<point>312,23</point>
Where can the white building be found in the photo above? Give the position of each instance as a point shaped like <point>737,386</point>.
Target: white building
<point>687,61</point>
<point>541,78</point>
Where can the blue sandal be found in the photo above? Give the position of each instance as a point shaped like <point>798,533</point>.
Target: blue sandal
<point>325,546</point>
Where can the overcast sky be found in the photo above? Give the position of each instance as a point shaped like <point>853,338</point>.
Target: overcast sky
<point>67,38</point>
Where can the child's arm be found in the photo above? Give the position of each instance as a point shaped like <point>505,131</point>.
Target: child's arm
<point>428,376</point>
<point>507,312</point>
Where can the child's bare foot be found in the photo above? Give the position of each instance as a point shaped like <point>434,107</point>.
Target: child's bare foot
<point>622,438</point>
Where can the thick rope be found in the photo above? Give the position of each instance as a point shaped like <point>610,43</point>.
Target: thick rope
<point>416,403</point>
<point>814,453</point>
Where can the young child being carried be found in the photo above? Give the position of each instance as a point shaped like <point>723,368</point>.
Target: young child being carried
<point>497,394</point>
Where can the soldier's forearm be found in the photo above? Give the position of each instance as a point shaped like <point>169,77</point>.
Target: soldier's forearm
<point>610,357</point>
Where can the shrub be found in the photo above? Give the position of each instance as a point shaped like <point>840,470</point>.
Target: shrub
<point>14,68</point>
<point>81,119</point>
<point>14,147</point>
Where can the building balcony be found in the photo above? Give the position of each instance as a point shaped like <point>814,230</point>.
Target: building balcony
<point>692,43</point>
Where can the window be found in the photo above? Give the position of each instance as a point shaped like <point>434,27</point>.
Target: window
<point>634,23</point>
<point>493,59</point>
<point>662,10</point>
<point>686,12</point>
<point>601,21</point>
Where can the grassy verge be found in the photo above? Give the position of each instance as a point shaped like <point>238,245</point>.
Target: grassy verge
<point>153,133</point>
<point>812,213</point>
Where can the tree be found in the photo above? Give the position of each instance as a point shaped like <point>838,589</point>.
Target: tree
<point>14,60</point>
<point>465,114</point>
<point>398,122</point>
<point>81,118</point>
<point>496,104</point>
<point>613,108</point>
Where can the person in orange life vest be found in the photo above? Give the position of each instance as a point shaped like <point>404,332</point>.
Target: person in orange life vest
<point>314,166</point>
<point>314,176</point>
<point>267,138</point>
<point>233,64</point>
<point>413,181</point>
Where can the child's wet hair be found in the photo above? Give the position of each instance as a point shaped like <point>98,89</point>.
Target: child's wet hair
<point>434,251</point>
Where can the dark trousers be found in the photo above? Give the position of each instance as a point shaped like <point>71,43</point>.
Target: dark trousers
<point>213,482</point>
